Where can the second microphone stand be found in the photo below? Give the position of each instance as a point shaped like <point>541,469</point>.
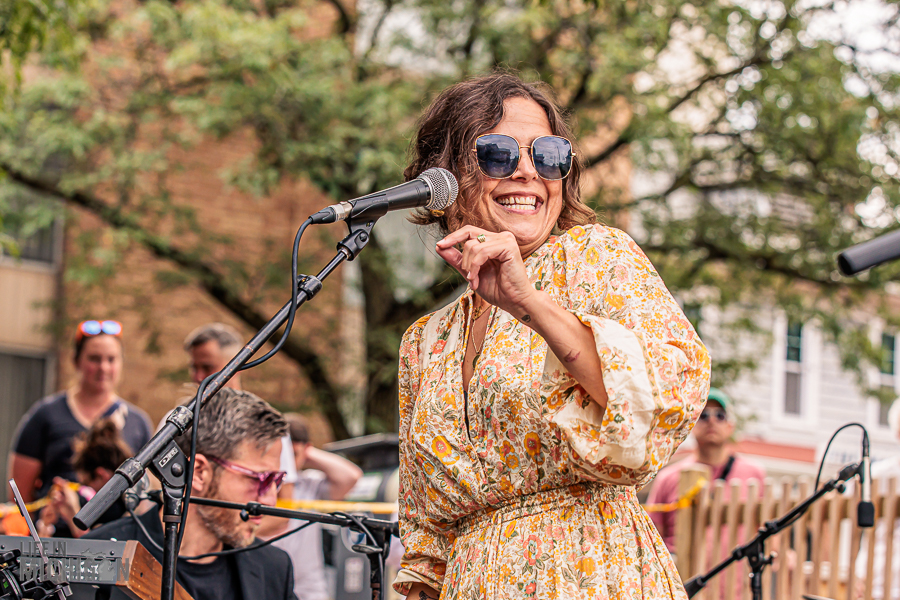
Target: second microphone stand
<point>755,550</point>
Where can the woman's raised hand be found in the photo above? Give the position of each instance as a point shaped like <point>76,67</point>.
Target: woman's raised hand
<point>493,266</point>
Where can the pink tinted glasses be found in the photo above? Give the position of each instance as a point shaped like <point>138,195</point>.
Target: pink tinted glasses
<point>265,479</point>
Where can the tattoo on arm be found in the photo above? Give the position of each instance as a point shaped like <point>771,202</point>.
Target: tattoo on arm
<point>526,319</point>
<point>572,356</point>
<point>424,596</point>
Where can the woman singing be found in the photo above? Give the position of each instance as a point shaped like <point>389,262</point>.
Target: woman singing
<point>534,406</point>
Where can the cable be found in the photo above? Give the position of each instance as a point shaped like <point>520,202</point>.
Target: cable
<point>295,289</point>
<point>833,435</point>
<point>144,530</point>
<point>221,552</point>
<point>865,442</point>
<point>189,475</point>
<point>248,548</point>
<point>359,523</point>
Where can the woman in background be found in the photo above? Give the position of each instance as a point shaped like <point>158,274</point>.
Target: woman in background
<point>42,450</point>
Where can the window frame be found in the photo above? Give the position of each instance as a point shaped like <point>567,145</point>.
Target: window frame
<point>809,367</point>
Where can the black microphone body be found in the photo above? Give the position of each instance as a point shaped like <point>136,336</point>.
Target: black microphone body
<point>434,189</point>
<point>865,510</point>
<point>869,254</point>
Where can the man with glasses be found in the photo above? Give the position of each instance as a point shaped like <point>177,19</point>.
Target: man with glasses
<point>238,454</point>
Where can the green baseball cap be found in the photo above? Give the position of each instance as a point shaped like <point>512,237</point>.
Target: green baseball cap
<point>717,395</point>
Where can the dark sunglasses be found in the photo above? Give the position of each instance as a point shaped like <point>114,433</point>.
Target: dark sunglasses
<point>265,479</point>
<point>89,328</point>
<point>720,415</point>
<point>498,156</point>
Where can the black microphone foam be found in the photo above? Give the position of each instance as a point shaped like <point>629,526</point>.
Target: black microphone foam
<point>871,253</point>
<point>92,511</point>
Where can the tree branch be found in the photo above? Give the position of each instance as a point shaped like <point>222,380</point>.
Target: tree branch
<point>209,280</point>
<point>623,140</point>
<point>346,21</point>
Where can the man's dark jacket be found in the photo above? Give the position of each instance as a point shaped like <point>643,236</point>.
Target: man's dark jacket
<point>265,573</point>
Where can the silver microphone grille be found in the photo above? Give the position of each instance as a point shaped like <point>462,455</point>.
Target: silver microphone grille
<point>444,187</point>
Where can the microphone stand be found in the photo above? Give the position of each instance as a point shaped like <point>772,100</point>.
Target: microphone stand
<point>162,455</point>
<point>755,550</point>
<point>376,549</point>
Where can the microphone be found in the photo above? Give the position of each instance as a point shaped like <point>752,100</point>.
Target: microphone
<point>865,510</point>
<point>435,189</point>
<point>869,254</point>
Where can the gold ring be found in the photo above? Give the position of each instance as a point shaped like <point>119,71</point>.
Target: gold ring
<point>481,238</point>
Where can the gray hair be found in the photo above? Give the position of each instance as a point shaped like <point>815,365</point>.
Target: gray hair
<point>225,335</point>
<point>231,417</point>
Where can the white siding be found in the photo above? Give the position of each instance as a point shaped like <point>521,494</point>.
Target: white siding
<point>830,395</point>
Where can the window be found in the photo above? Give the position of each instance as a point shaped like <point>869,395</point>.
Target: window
<point>887,354</point>
<point>794,341</point>
<point>31,224</point>
<point>21,385</point>
<point>38,246</point>
<point>793,382</point>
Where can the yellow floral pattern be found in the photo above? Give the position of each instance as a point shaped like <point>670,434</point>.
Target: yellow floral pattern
<point>522,487</point>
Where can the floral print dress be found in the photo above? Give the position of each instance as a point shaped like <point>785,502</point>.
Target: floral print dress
<point>520,486</point>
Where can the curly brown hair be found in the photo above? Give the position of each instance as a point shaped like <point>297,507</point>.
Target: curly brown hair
<point>101,446</point>
<point>446,135</point>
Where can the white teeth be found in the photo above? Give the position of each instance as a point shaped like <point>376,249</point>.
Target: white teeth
<point>529,201</point>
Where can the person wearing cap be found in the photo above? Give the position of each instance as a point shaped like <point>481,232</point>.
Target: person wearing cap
<point>42,448</point>
<point>713,435</point>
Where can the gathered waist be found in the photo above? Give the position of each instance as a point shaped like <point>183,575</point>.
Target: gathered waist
<point>585,493</point>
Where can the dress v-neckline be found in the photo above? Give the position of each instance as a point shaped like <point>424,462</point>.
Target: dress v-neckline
<point>468,334</point>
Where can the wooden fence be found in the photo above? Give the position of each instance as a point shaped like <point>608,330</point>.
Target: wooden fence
<point>817,555</point>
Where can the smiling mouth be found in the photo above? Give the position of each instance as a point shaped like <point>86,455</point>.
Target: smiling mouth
<point>524,204</point>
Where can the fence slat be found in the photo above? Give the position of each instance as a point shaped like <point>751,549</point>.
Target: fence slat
<point>870,542</point>
<point>834,522</point>
<point>751,510</point>
<point>890,511</point>
<point>854,549</point>
<point>816,525</point>
<point>766,510</point>
<point>800,529</point>
<point>699,533</point>
<point>731,519</point>
<point>688,477</point>
<point>782,546</point>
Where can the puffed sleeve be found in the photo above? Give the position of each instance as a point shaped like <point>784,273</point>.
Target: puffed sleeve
<point>426,542</point>
<point>655,368</point>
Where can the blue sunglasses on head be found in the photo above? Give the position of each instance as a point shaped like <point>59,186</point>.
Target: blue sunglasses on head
<point>89,328</point>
